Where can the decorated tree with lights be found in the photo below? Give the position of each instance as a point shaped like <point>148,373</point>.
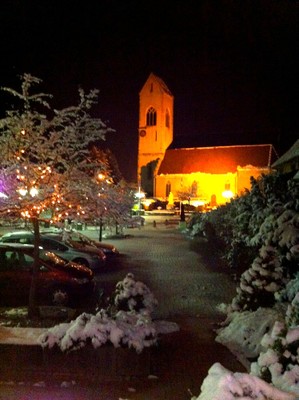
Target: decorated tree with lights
<point>107,199</point>
<point>44,164</point>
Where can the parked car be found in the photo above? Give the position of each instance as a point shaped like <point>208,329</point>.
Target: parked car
<point>90,257</point>
<point>81,241</point>
<point>59,282</point>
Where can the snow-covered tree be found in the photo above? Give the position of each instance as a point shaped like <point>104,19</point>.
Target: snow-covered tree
<point>44,157</point>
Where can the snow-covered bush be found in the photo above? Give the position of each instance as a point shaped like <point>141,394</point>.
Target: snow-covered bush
<point>126,322</point>
<point>278,363</point>
<point>242,332</point>
<point>290,291</point>
<point>260,282</point>
<point>222,384</point>
<point>126,329</point>
<point>277,264</point>
<point>132,295</point>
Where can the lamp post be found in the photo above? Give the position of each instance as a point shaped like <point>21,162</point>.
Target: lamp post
<point>140,195</point>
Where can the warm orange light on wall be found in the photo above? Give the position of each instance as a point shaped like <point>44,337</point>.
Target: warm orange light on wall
<point>197,203</point>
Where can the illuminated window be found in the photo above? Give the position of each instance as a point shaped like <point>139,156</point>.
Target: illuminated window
<point>167,119</point>
<point>151,117</point>
<point>168,188</point>
<point>194,189</point>
<point>228,194</point>
<point>213,201</point>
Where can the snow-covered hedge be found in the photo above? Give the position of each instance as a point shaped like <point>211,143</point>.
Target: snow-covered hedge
<point>242,226</point>
<point>263,318</point>
<point>126,322</point>
<point>126,329</point>
<point>278,361</point>
<point>259,233</point>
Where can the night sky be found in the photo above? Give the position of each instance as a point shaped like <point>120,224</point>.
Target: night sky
<point>231,65</point>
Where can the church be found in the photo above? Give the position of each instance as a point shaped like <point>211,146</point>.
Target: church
<point>200,175</point>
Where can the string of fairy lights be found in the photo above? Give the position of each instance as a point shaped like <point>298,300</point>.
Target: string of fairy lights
<point>38,192</point>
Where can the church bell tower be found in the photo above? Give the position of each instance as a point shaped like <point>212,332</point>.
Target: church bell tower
<point>155,130</point>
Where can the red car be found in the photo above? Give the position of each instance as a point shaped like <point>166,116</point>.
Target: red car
<point>59,282</point>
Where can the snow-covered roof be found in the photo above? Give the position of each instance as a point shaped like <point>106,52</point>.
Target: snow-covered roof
<point>289,155</point>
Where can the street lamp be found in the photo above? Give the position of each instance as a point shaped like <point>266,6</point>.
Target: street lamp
<point>227,194</point>
<point>140,195</point>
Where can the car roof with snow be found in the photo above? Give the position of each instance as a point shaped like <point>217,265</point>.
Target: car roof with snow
<point>17,245</point>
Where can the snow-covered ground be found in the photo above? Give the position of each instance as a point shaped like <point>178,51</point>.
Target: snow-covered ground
<point>242,335</point>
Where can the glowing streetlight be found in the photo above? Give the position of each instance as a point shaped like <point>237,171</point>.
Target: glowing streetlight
<point>227,194</point>
<point>140,195</point>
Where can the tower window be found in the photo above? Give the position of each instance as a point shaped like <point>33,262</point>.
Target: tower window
<point>167,119</point>
<point>151,117</point>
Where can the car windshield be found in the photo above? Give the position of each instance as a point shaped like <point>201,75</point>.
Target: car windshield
<point>59,262</point>
<point>80,238</point>
<point>52,258</point>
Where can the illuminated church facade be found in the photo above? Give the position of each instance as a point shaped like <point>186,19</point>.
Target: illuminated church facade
<point>203,175</point>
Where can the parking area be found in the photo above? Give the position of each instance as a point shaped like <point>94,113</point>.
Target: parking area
<point>188,292</point>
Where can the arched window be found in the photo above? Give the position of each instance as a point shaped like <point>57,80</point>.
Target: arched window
<point>213,201</point>
<point>151,117</point>
<point>167,119</point>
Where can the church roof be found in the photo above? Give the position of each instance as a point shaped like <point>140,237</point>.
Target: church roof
<point>215,160</point>
<point>161,84</point>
